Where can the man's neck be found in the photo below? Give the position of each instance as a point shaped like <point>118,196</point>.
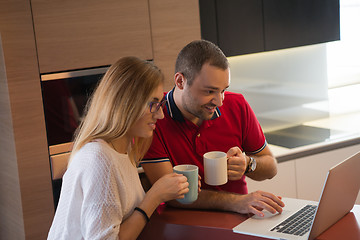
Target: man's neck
<point>178,102</point>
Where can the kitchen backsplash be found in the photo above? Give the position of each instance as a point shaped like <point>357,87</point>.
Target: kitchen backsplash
<point>283,86</point>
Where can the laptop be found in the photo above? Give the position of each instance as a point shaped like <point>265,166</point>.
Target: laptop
<point>337,199</point>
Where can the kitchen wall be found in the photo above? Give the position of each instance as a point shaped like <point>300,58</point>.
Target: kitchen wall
<point>298,85</point>
<point>26,205</point>
<point>281,86</point>
<point>10,195</point>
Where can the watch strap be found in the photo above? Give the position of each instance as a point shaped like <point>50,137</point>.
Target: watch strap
<point>251,161</point>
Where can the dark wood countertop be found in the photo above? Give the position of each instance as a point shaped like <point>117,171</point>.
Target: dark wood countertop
<point>179,224</point>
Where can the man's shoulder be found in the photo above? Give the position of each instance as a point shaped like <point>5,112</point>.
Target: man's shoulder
<point>232,98</point>
<point>234,95</point>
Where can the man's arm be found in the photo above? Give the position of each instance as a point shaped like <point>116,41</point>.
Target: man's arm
<point>249,203</point>
<point>266,164</point>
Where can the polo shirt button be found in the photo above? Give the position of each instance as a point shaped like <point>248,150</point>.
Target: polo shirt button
<point>198,135</point>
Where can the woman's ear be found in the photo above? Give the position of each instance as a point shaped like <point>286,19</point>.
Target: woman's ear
<point>180,80</point>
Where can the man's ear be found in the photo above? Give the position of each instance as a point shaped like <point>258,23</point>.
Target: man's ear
<point>180,80</point>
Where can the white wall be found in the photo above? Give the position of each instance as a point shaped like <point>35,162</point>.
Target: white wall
<point>304,178</point>
<point>277,84</point>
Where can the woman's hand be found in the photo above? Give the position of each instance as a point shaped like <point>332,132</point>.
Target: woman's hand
<point>171,186</point>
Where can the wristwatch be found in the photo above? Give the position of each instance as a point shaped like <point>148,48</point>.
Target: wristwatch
<point>252,165</point>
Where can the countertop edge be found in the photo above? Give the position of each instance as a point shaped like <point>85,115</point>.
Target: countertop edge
<point>316,149</point>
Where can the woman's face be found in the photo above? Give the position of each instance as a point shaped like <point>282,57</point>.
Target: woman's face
<point>145,126</point>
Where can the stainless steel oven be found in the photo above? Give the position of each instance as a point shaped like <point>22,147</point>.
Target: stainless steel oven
<point>65,95</point>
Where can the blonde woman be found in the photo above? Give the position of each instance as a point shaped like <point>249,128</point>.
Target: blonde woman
<point>101,195</point>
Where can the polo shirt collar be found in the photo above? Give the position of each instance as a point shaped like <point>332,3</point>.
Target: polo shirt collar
<point>175,112</point>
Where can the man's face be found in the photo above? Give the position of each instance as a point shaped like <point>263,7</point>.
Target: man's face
<point>199,101</point>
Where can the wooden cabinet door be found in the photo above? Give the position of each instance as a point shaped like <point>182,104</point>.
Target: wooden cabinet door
<point>300,22</point>
<point>248,26</point>
<point>76,34</point>
<point>236,26</point>
<point>173,25</point>
<point>240,26</point>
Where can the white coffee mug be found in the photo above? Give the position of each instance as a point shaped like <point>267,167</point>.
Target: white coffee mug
<point>215,168</point>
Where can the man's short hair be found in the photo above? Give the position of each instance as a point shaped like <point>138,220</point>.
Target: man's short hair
<point>194,55</point>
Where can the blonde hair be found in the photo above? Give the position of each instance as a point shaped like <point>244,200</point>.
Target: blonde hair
<point>118,102</point>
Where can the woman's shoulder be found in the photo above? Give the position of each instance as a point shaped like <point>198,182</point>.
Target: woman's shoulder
<point>93,153</point>
<point>96,148</point>
<point>96,145</point>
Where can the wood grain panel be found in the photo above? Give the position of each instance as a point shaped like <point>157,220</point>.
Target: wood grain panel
<point>173,24</point>
<point>89,33</point>
<point>25,164</point>
<point>59,164</point>
<point>10,197</point>
<point>60,148</point>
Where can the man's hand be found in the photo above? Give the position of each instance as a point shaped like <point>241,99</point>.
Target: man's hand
<point>257,201</point>
<point>236,163</point>
<point>266,165</point>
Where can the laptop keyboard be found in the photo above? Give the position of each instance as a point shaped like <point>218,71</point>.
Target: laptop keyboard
<point>299,223</point>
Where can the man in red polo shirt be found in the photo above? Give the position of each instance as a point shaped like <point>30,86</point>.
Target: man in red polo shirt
<point>200,116</point>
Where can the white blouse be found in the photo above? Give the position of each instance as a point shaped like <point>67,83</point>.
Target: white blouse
<point>100,189</point>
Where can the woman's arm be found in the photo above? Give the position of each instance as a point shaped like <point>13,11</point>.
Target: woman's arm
<point>171,186</point>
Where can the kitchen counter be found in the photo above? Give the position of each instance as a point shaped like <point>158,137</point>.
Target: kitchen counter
<point>178,224</point>
<point>336,127</point>
<point>283,154</point>
<point>301,111</point>
<point>315,137</point>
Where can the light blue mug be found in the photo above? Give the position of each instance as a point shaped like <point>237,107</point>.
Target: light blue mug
<point>191,172</point>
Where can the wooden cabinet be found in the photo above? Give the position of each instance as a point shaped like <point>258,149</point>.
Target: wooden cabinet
<point>248,26</point>
<point>62,36</point>
<point>53,36</point>
<point>26,203</point>
<point>300,22</point>
<point>84,34</point>
<point>236,26</point>
<point>173,25</point>
<point>90,33</point>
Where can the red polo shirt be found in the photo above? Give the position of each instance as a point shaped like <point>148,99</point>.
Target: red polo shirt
<point>179,141</point>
